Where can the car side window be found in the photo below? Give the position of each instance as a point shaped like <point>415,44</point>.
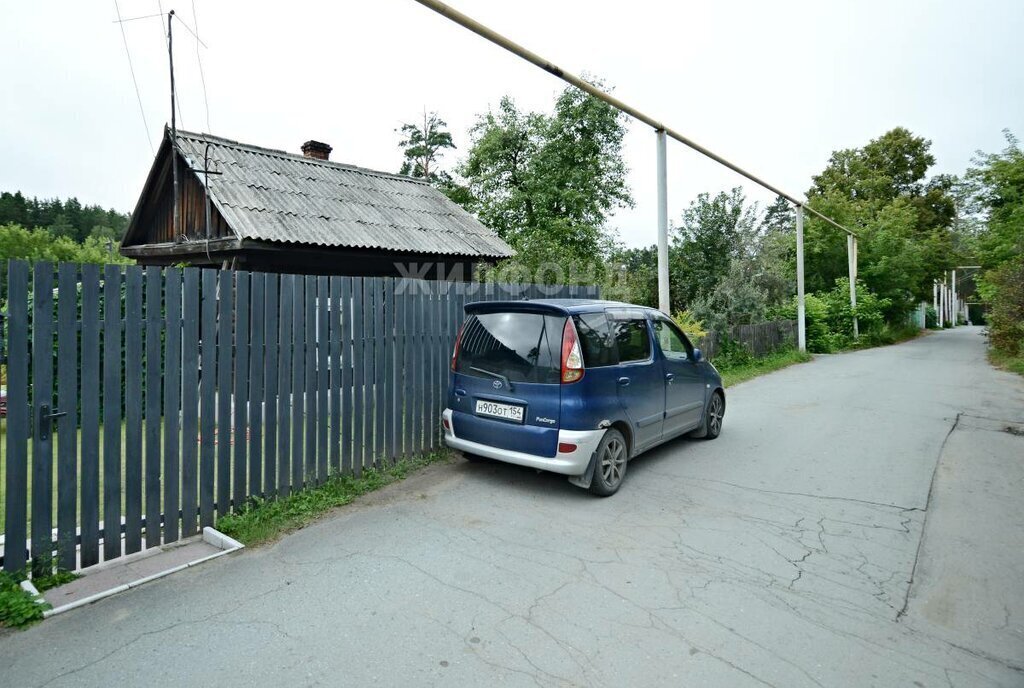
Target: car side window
<point>673,343</point>
<point>596,340</point>
<point>632,339</point>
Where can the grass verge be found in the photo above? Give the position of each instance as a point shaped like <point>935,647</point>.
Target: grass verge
<point>1005,361</point>
<point>733,374</point>
<point>265,520</point>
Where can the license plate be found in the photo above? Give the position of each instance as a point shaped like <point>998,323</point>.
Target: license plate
<point>496,410</point>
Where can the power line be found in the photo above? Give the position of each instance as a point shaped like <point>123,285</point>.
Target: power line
<point>202,74</point>
<point>131,19</point>
<point>135,81</point>
<point>189,28</point>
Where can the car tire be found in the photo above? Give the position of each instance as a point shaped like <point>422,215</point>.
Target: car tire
<point>714,414</point>
<point>611,459</point>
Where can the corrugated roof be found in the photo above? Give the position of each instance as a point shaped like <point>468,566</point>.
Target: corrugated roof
<point>270,195</point>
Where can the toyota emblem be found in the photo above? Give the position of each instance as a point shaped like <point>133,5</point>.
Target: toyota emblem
<point>496,384</point>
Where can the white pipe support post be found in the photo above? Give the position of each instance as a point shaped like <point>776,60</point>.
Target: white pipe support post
<point>956,301</point>
<point>942,303</point>
<point>851,258</point>
<point>664,296</point>
<point>801,306</point>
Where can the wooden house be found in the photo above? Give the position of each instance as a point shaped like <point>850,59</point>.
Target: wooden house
<point>268,210</point>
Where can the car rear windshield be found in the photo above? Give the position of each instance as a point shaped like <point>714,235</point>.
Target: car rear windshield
<point>523,347</point>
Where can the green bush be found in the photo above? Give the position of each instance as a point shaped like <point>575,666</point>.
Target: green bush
<point>17,607</point>
<point>732,354</point>
<point>1004,291</point>
<point>830,317</point>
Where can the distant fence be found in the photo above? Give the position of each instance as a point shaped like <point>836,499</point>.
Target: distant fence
<point>759,339</point>
<point>142,403</point>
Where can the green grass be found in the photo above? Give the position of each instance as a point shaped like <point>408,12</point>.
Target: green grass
<point>733,374</point>
<point>56,448</point>
<point>263,521</point>
<point>1001,359</point>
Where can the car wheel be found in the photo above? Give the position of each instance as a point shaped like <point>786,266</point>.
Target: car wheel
<point>713,417</point>
<point>610,467</point>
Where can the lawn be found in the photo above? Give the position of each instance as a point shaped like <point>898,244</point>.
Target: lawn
<point>56,443</point>
<point>733,374</point>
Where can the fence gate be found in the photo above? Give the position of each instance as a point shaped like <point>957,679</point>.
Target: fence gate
<point>143,403</point>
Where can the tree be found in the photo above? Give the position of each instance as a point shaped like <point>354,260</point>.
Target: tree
<point>713,233</point>
<point>423,145</point>
<point>996,190</point>
<point>892,165</point>
<point>904,220</point>
<point>63,218</point>
<point>547,184</point>
<point>779,217</point>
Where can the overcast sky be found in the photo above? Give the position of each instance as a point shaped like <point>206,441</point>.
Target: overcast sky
<point>773,86</point>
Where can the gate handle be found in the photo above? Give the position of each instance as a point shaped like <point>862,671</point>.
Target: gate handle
<point>46,420</point>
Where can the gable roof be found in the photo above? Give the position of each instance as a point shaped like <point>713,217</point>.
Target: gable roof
<point>271,195</point>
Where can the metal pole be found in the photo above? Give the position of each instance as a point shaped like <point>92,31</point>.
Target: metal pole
<point>956,301</point>
<point>518,50</point>
<point>664,302</point>
<point>935,298</point>
<point>801,309</point>
<point>175,230</point>
<point>851,258</point>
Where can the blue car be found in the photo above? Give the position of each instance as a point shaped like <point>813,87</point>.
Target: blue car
<point>577,387</point>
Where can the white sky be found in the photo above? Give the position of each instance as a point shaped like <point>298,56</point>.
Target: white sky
<point>773,86</point>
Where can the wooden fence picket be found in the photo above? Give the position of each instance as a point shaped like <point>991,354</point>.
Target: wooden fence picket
<point>161,399</point>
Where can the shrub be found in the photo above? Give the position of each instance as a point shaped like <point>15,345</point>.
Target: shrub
<point>1004,289</point>
<point>693,327</point>
<point>830,317</point>
<point>17,607</point>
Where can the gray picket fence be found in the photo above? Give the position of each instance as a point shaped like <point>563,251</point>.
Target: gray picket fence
<point>760,339</point>
<point>143,403</point>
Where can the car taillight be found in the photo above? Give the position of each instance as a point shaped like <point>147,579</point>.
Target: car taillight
<point>458,341</point>
<point>572,356</point>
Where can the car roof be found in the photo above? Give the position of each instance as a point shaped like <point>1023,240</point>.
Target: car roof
<point>561,306</point>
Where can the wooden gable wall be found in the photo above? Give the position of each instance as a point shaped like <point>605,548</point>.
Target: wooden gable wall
<point>156,214</point>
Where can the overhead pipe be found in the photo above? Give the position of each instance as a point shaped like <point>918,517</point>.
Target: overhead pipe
<point>532,57</point>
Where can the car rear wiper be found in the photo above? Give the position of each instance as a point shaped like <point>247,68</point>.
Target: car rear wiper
<point>508,383</point>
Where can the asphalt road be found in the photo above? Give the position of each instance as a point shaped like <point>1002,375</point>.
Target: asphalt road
<point>858,523</point>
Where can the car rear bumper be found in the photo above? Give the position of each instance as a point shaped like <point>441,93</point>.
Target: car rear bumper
<point>566,463</point>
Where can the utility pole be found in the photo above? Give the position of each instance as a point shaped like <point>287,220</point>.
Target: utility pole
<point>801,307</point>
<point>664,296</point>
<point>175,229</point>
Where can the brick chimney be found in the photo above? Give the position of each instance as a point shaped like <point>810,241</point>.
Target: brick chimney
<point>317,150</point>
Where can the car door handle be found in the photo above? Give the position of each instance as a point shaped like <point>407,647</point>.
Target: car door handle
<point>669,377</point>
<point>624,381</point>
